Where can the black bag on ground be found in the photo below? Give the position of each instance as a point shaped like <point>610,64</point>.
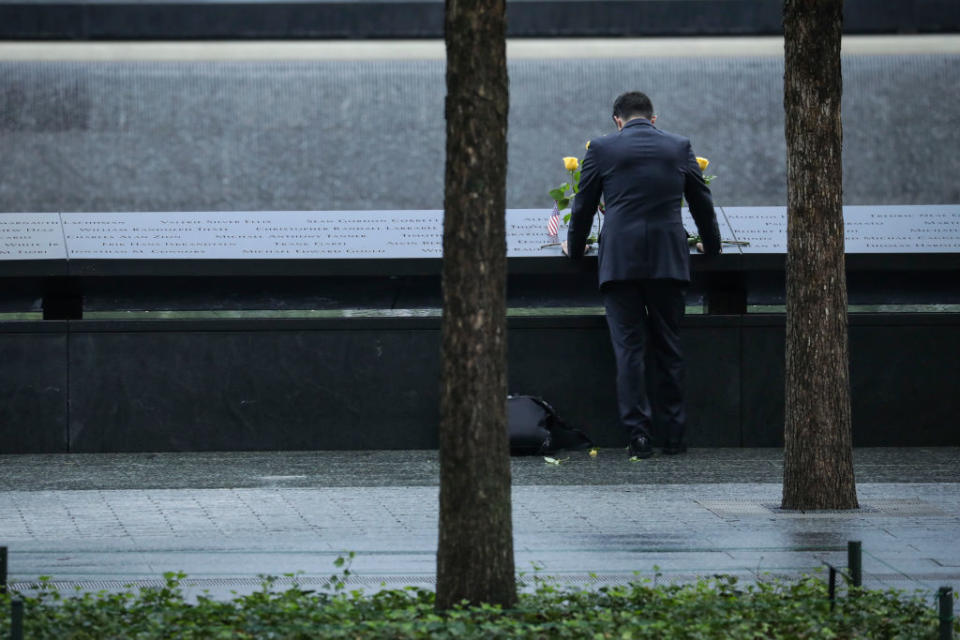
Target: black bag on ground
<point>535,428</point>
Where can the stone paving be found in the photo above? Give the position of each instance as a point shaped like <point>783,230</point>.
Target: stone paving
<point>102,521</point>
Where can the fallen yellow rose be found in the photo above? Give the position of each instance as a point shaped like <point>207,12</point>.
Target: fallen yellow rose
<point>571,163</point>
<point>703,162</point>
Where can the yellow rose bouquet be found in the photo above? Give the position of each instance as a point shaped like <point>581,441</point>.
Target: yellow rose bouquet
<point>704,163</point>
<point>563,195</point>
<point>694,240</point>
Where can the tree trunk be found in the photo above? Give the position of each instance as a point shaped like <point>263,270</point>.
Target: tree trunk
<point>475,552</point>
<point>818,456</point>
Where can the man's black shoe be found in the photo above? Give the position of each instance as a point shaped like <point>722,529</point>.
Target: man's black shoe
<point>640,447</point>
<point>674,448</point>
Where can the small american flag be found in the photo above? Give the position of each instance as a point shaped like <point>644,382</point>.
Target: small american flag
<point>553,225</point>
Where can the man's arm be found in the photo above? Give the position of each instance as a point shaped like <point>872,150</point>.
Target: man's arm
<point>584,206</point>
<point>700,202</point>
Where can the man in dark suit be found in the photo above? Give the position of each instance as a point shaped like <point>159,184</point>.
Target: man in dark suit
<point>644,258</point>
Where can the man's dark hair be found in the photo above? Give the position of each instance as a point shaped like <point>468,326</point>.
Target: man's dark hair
<point>631,104</point>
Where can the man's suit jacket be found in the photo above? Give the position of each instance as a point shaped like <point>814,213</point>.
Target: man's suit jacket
<point>642,172</point>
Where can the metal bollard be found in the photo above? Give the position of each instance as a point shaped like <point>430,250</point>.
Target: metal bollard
<point>16,619</point>
<point>945,595</point>
<point>855,562</point>
<point>3,570</point>
<point>832,587</point>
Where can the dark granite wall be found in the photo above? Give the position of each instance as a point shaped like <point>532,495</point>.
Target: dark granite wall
<point>34,385</point>
<point>132,19</point>
<point>373,383</point>
<point>370,135</point>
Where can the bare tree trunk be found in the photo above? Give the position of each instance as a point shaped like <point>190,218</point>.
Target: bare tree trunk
<point>818,458</point>
<point>475,552</point>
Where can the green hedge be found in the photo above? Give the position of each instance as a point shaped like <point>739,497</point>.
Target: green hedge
<point>714,608</point>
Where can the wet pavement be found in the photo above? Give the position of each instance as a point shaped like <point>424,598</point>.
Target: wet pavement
<point>102,521</point>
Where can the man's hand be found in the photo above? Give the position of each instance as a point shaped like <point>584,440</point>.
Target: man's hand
<point>563,247</point>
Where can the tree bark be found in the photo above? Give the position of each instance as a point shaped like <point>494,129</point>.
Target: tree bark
<point>475,551</point>
<point>818,456</point>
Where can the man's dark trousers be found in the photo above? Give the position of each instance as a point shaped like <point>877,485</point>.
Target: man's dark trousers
<point>641,312</point>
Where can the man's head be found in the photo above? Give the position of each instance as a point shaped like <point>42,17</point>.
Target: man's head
<point>630,105</point>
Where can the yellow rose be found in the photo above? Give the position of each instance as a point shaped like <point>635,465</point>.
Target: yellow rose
<point>703,162</point>
<point>571,163</point>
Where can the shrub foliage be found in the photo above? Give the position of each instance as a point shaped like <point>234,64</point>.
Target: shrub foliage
<point>711,608</point>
